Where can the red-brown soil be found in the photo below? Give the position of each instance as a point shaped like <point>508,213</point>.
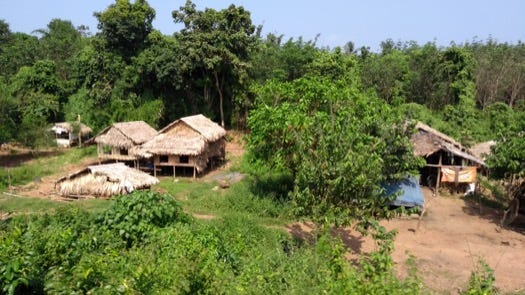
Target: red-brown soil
<point>451,237</point>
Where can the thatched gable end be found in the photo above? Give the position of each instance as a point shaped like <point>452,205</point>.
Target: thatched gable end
<point>210,130</point>
<point>104,180</point>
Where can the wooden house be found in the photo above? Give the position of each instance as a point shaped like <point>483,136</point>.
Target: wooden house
<point>114,142</point>
<point>195,142</point>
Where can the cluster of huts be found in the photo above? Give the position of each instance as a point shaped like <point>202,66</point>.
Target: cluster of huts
<point>196,143</point>
<point>193,143</point>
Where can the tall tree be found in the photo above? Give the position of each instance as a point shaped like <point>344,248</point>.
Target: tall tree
<point>60,42</point>
<point>338,144</point>
<point>16,51</point>
<point>124,26</point>
<point>216,46</point>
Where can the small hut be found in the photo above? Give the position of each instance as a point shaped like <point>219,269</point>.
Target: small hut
<point>482,149</point>
<point>69,133</point>
<point>447,160</point>
<point>104,181</point>
<point>114,142</point>
<point>195,142</point>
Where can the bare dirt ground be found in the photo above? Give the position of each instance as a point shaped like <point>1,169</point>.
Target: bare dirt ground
<point>43,187</point>
<point>451,237</point>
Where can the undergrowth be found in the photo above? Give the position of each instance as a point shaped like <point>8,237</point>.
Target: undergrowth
<point>145,243</point>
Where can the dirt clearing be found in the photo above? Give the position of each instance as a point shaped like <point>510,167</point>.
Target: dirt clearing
<point>451,237</point>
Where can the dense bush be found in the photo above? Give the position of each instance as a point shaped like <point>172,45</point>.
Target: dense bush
<point>144,243</point>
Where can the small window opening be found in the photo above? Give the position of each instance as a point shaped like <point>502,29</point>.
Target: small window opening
<point>184,159</point>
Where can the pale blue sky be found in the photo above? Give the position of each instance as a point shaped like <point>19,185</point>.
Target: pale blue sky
<point>363,22</point>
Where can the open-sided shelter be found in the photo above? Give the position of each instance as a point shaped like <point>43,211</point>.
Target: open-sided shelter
<point>114,142</point>
<point>104,181</point>
<point>69,133</point>
<point>195,141</point>
<point>446,159</point>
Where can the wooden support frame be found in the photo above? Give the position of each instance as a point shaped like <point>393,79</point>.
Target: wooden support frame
<point>438,179</point>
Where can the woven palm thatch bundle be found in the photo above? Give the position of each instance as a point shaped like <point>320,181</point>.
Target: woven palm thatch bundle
<point>104,180</point>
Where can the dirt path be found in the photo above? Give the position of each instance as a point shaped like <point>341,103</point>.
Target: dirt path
<point>451,237</point>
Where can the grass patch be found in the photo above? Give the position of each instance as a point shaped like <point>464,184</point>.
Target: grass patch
<point>28,205</point>
<point>199,197</point>
<point>42,166</point>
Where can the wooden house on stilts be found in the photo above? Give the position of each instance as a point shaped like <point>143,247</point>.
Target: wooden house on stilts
<point>195,142</point>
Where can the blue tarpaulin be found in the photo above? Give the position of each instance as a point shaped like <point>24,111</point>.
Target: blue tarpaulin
<point>410,193</point>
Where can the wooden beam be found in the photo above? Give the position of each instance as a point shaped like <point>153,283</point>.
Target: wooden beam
<point>438,179</point>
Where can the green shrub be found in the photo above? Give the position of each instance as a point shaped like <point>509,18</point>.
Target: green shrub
<point>481,280</point>
<point>136,215</point>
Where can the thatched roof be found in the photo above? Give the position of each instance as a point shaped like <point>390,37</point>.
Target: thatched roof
<point>186,136</point>
<point>427,141</point>
<point>104,180</point>
<point>170,144</point>
<point>69,127</point>
<point>126,134</point>
<point>482,149</point>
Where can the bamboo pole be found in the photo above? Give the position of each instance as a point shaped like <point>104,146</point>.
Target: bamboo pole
<point>438,180</point>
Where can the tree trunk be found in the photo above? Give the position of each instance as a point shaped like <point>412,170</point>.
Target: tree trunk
<point>217,84</point>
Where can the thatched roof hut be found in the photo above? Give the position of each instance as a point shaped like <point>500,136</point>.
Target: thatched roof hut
<point>114,141</point>
<point>188,142</point>
<point>67,133</point>
<point>482,149</point>
<point>104,180</point>
<point>70,127</point>
<point>446,159</point>
<point>186,136</point>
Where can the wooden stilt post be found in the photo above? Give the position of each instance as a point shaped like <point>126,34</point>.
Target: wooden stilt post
<point>154,168</point>
<point>174,173</point>
<point>193,171</point>
<point>438,180</point>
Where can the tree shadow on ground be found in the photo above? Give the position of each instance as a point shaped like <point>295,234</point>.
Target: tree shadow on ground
<point>274,186</point>
<point>306,232</point>
<point>491,211</point>
<point>17,159</point>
